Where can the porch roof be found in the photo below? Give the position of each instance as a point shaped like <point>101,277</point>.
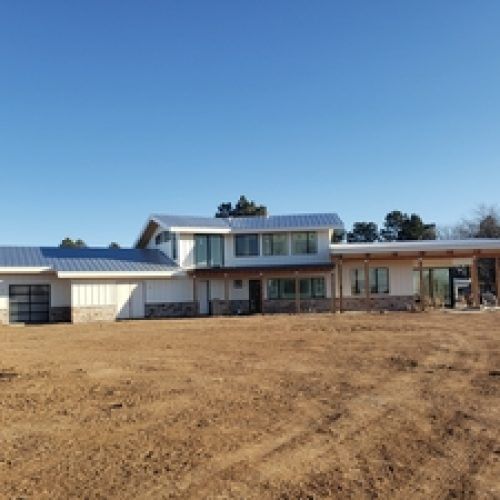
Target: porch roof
<point>259,271</point>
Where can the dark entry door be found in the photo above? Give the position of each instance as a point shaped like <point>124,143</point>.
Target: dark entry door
<point>29,303</point>
<point>255,295</point>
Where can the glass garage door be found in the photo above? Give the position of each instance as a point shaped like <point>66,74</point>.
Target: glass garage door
<point>29,303</point>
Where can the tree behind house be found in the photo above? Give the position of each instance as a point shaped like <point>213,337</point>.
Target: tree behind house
<point>242,208</point>
<point>70,243</point>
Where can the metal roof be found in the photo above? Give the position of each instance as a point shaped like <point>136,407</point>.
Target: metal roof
<point>86,259</point>
<point>416,246</point>
<point>270,222</point>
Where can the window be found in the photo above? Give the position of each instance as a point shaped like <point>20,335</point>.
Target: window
<point>284,288</point>
<point>275,244</point>
<point>312,288</point>
<point>379,280</point>
<point>238,284</point>
<point>162,237</point>
<point>209,250</point>
<point>174,246</point>
<point>246,245</point>
<point>303,243</point>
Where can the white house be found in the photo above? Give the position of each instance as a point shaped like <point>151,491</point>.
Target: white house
<point>190,266</point>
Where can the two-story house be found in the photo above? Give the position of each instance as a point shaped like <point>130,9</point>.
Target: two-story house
<point>242,265</point>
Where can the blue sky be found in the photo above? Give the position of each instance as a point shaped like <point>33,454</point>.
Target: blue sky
<point>112,110</point>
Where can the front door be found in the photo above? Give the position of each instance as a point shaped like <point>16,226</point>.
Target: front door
<point>255,296</point>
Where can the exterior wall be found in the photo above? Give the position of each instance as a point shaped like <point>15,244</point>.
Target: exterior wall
<point>93,301</point>
<point>230,307</point>
<point>322,256</point>
<point>60,294</point>
<point>289,306</point>
<point>380,303</point>
<point>400,276</point>
<point>171,309</point>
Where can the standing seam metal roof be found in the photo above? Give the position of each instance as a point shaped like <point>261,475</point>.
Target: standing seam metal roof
<point>271,222</point>
<point>87,259</point>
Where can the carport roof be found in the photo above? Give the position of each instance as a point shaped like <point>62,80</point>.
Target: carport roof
<point>86,259</point>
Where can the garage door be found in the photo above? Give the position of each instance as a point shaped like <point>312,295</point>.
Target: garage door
<point>29,303</point>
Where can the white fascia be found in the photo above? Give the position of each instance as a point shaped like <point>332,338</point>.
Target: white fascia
<point>26,270</point>
<point>119,274</point>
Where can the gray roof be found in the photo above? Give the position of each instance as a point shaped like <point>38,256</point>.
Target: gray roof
<point>87,259</point>
<point>271,222</point>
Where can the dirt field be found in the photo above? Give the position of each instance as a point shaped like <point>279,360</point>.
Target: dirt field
<point>400,406</point>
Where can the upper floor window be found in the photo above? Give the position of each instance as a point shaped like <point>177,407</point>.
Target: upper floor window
<point>163,237</point>
<point>246,245</point>
<point>304,242</point>
<point>209,250</point>
<point>275,244</point>
<point>379,280</point>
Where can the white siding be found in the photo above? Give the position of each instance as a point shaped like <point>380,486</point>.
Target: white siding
<point>400,276</point>
<point>216,289</point>
<point>94,293</point>
<point>238,293</point>
<point>60,289</point>
<point>171,290</point>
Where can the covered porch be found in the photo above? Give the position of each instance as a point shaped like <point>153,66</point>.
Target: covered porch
<point>264,289</point>
<point>412,275</point>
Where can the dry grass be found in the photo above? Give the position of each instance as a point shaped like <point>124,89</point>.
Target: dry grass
<point>313,406</point>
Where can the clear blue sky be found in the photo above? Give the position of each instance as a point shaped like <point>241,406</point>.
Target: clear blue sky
<point>112,110</point>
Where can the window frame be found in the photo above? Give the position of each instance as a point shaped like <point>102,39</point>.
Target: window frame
<point>358,285</point>
<point>276,288</point>
<point>246,255</point>
<point>208,242</point>
<point>272,244</point>
<point>311,248</point>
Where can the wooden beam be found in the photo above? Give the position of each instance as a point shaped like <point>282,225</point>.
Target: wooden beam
<point>367,283</point>
<point>497,279</point>
<point>474,278</point>
<point>421,283</point>
<point>341,286</point>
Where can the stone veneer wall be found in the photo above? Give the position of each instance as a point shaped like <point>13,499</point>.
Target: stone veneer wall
<point>387,303</point>
<point>4,317</point>
<point>94,313</point>
<point>289,306</point>
<point>229,307</point>
<point>60,314</point>
<point>171,309</point>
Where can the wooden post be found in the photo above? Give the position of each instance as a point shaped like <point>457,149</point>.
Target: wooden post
<point>474,282</point>
<point>422,288</point>
<point>333,292</point>
<point>341,287</point>
<point>297,293</point>
<point>367,283</point>
<point>195,295</point>
<point>226,288</point>
<point>497,279</point>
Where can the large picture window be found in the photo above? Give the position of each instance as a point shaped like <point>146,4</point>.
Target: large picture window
<point>209,250</point>
<point>284,288</point>
<point>246,245</point>
<point>379,281</point>
<point>304,242</point>
<point>275,244</point>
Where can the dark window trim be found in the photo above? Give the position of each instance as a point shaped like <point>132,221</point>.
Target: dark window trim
<point>311,287</point>
<point>356,288</point>
<point>236,236</point>
<point>272,235</point>
<point>208,237</point>
<point>308,249</point>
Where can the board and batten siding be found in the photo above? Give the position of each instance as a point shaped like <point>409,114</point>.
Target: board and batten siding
<point>93,294</point>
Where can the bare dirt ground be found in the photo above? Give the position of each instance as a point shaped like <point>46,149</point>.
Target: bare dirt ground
<point>317,406</point>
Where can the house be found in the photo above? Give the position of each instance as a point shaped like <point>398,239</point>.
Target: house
<point>185,266</point>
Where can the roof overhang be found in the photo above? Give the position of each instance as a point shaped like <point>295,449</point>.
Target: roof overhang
<point>26,270</point>
<point>482,248</point>
<point>224,272</point>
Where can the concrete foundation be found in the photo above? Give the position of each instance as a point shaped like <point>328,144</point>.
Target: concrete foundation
<point>171,309</point>
<point>90,314</point>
